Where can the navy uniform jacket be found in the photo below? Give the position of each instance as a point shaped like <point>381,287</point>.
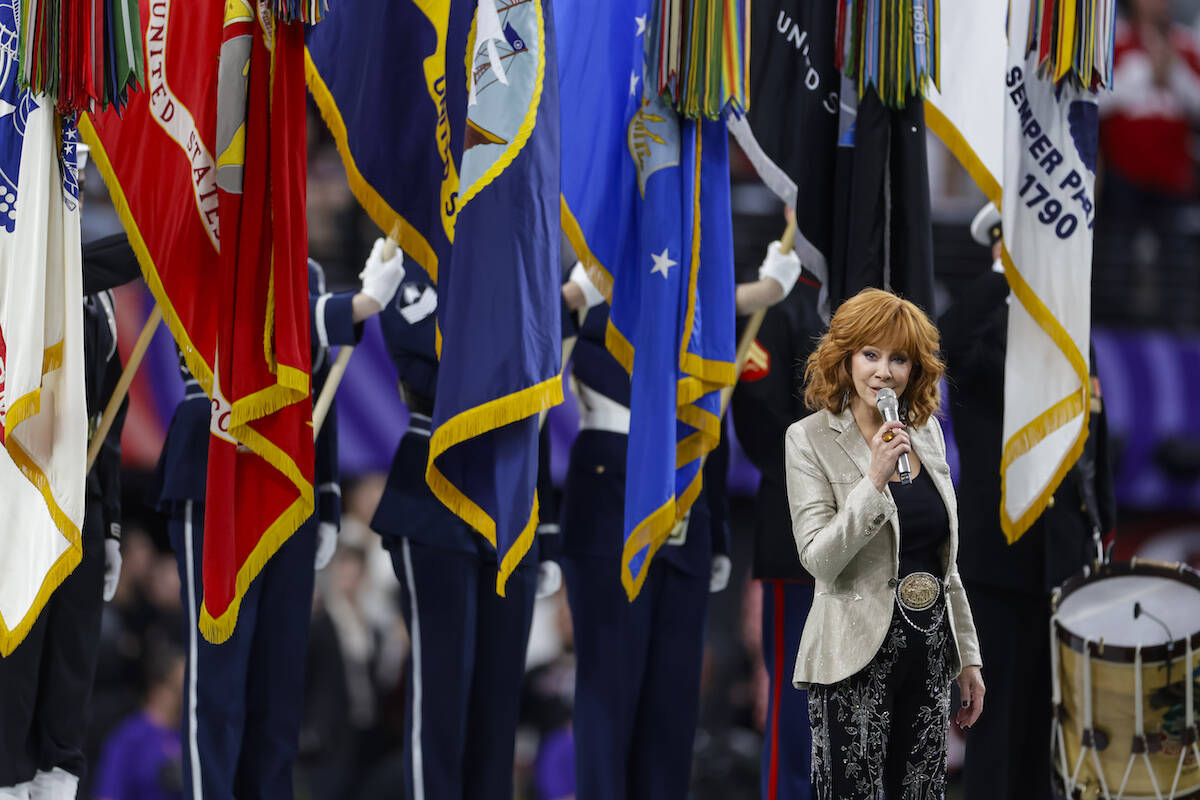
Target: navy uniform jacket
<point>595,489</point>
<point>102,372</point>
<point>107,263</point>
<point>1059,543</point>
<point>769,398</point>
<point>183,466</point>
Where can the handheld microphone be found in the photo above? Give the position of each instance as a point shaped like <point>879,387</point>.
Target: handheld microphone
<point>889,407</point>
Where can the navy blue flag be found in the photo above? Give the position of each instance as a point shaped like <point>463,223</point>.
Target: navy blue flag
<point>500,293</point>
<point>646,206</point>
<point>446,116</point>
<point>389,77</point>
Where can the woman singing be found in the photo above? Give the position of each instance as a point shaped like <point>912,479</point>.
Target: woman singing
<point>890,626</point>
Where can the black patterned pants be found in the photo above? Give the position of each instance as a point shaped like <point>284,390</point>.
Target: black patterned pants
<point>881,733</point>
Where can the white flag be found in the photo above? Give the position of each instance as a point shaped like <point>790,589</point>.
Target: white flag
<point>1050,143</point>
<point>43,409</point>
<point>968,113</point>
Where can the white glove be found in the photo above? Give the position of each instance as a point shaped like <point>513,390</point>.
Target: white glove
<point>722,567</point>
<point>580,278</point>
<point>381,278</point>
<point>326,543</point>
<point>112,567</point>
<point>549,579</point>
<point>783,268</point>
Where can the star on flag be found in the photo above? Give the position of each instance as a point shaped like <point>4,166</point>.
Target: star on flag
<point>662,263</point>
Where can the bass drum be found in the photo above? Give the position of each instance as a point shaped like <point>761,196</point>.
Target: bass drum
<point>1125,655</point>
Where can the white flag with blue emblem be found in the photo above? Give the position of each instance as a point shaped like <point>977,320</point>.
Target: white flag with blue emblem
<point>43,409</point>
<point>1050,137</point>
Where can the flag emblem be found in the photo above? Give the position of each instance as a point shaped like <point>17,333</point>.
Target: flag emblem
<point>653,137</point>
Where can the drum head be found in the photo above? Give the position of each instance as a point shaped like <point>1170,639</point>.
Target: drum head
<point>1103,609</point>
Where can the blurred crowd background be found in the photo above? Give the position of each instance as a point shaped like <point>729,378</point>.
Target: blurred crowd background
<point>1146,312</point>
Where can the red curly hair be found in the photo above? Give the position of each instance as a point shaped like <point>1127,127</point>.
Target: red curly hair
<point>874,317</point>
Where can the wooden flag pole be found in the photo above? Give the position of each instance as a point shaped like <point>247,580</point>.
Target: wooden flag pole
<point>325,400</point>
<point>338,370</point>
<point>122,388</point>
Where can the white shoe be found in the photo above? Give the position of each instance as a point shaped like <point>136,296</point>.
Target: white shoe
<point>57,784</point>
<point>18,792</point>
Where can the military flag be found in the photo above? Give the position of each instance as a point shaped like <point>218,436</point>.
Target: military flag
<point>1048,210</point>
<point>790,130</point>
<point>446,118</point>
<point>206,170</point>
<point>500,361</point>
<point>43,408</point>
<point>646,206</point>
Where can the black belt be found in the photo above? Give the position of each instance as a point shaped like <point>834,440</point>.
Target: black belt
<point>417,403</point>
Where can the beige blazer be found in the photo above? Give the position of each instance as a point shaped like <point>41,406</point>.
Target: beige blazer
<point>848,536</point>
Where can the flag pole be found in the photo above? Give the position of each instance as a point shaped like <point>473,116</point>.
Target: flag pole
<point>122,388</point>
<point>338,370</point>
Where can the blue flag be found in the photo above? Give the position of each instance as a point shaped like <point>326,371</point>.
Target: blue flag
<point>447,118</point>
<point>499,318</point>
<point>389,77</point>
<point>646,206</point>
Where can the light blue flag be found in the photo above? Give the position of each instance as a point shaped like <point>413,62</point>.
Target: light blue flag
<point>646,206</point>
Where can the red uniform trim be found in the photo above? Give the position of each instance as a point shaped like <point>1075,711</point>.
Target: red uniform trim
<point>777,690</point>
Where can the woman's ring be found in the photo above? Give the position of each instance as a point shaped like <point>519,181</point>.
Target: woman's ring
<point>888,435</point>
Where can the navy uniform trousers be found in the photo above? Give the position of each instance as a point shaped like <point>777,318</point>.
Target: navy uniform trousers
<point>242,698</point>
<point>787,739</point>
<point>463,683</point>
<point>637,684</point>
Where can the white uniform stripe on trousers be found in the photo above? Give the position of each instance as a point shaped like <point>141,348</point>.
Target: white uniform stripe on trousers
<point>193,627</point>
<point>415,634</point>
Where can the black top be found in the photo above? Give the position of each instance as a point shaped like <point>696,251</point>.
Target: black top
<point>924,525</point>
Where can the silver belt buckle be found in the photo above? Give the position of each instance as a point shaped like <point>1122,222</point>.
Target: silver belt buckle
<point>678,535</point>
<point>918,591</point>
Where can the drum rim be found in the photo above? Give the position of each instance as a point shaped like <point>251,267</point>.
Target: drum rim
<point>1121,654</point>
<point>1059,780</point>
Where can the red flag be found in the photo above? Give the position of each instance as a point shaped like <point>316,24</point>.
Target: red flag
<point>213,202</point>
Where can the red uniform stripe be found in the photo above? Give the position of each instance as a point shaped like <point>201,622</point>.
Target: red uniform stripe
<point>776,690</point>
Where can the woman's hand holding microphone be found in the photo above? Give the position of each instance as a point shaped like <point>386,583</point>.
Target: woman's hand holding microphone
<point>888,443</point>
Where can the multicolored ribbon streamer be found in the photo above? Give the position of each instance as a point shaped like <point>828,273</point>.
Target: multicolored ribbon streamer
<point>700,53</point>
<point>82,54</point>
<point>889,45</point>
<point>1073,40</point>
<point>309,12</point>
